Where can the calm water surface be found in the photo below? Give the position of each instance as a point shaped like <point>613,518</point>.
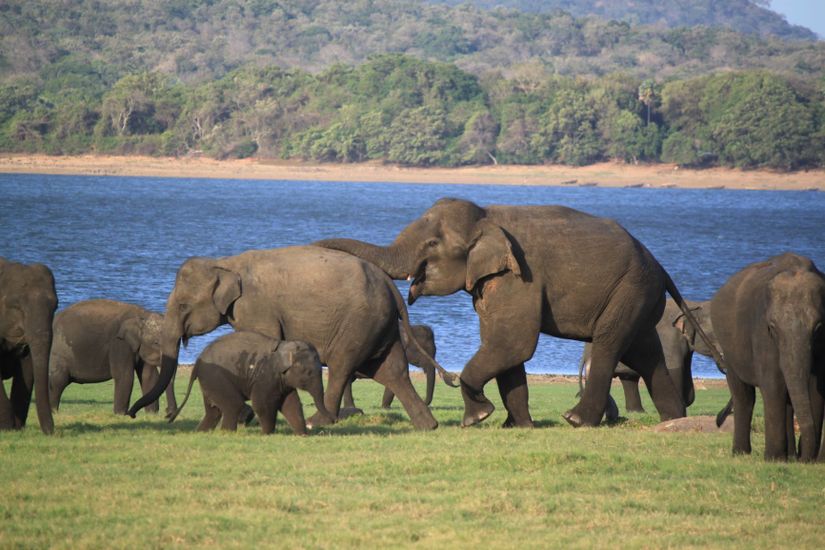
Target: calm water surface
<point>124,238</point>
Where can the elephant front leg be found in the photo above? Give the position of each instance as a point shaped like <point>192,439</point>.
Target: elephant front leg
<point>6,411</point>
<point>293,411</point>
<point>339,375</point>
<point>744,397</point>
<point>512,385</point>
<point>778,416</point>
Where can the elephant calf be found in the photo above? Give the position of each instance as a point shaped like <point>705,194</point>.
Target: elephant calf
<point>100,340</point>
<point>246,365</point>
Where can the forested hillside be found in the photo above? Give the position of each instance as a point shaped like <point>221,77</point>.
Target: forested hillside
<point>747,16</point>
<point>404,82</point>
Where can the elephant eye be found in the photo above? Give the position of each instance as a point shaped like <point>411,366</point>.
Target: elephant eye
<point>432,243</point>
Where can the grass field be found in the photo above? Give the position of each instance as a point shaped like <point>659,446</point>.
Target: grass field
<point>371,481</point>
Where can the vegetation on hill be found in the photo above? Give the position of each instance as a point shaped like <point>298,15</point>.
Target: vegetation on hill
<point>747,16</point>
<point>307,80</point>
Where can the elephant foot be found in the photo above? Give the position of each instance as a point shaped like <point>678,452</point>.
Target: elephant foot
<point>476,406</point>
<point>512,423</point>
<point>577,421</point>
<point>611,412</point>
<point>246,416</point>
<point>317,420</point>
<point>346,412</point>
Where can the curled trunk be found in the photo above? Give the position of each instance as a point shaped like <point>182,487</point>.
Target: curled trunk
<point>170,350</point>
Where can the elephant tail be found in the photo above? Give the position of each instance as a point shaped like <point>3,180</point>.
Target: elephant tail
<point>449,378</point>
<point>173,415</point>
<point>680,301</point>
<point>724,413</point>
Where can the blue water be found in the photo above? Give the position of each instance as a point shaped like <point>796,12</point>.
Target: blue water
<point>124,238</point>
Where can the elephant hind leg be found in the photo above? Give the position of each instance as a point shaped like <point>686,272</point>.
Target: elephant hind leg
<point>646,357</point>
<point>211,417</point>
<point>394,374</point>
<point>387,398</point>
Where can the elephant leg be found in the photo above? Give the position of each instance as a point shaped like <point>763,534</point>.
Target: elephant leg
<point>348,401</point>
<point>393,372</point>
<point>632,398</point>
<point>266,408</point>
<point>58,380</point>
<point>21,391</point>
<point>246,416</point>
<point>512,386</point>
<point>744,397</point>
<point>775,400</point>
<point>817,391</point>
<point>148,376</point>
<point>646,357</point>
<point>123,379</point>
<point>590,408</point>
<point>502,349</point>
<point>386,400</point>
<point>340,373</point>
<point>293,411</point>
<point>211,417</point>
<point>6,411</point>
<point>171,401</point>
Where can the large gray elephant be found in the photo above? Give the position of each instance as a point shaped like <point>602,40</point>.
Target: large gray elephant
<point>346,308</point>
<point>679,341</point>
<point>246,365</point>
<point>100,340</point>
<point>28,301</point>
<point>769,319</point>
<point>425,337</point>
<point>531,270</point>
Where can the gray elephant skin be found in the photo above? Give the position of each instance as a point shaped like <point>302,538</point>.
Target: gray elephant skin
<point>531,270</point>
<point>347,308</point>
<point>28,300</point>
<point>769,319</point>
<point>425,337</point>
<point>100,340</point>
<point>679,341</point>
<point>245,366</point>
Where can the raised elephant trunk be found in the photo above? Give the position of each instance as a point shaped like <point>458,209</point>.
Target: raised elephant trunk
<point>796,362</point>
<point>170,350</point>
<point>395,260</point>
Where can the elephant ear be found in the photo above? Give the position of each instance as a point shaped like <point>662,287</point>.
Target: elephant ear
<point>227,289</point>
<point>130,332</point>
<point>490,253</point>
<point>685,328</point>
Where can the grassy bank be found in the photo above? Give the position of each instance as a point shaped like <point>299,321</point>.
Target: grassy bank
<point>370,481</point>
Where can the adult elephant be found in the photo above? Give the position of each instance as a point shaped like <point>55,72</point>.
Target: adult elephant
<point>425,337</point>
<point>769,319</point>
<point>28,301</point>
<point>679,341</point>
<point>347,308</point>
<point>531,270</point>
<point>99,340</point>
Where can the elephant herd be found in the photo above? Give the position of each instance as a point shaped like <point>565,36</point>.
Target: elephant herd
<point>528,269</point>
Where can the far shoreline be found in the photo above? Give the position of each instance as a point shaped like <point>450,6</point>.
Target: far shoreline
<point>606,174</point>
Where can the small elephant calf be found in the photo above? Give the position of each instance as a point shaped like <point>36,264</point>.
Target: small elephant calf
<point>246,365</point>
<point>99,340</point>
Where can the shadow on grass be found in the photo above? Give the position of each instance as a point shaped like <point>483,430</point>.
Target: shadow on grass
<point>130,426</point>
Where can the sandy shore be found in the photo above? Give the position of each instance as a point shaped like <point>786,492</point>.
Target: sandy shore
<point>604,174</point>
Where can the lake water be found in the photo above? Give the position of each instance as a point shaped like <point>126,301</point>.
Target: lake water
<point>124,238</point>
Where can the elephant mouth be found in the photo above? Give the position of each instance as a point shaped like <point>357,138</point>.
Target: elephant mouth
<point>417,284</point>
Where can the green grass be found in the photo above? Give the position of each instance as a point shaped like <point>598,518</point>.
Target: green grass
<point>371,481</point>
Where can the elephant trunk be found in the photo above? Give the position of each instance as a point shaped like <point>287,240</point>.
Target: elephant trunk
<point>395,260</point>
<point>170,350</point>
<point>40,343</point>
<point>430,373</point>
<point>796,362</point>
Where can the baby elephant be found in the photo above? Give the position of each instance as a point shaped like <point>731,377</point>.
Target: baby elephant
<point>247,365</point>
<point>99,340</point>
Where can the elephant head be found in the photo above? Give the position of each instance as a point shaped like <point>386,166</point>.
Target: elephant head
<point>28,301</point>
<point>795,316</point>
<point>300,366</point>
<point>203,295</point>
<point>701,311</point>
<point>143,335</point>
<point>451,247</point>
